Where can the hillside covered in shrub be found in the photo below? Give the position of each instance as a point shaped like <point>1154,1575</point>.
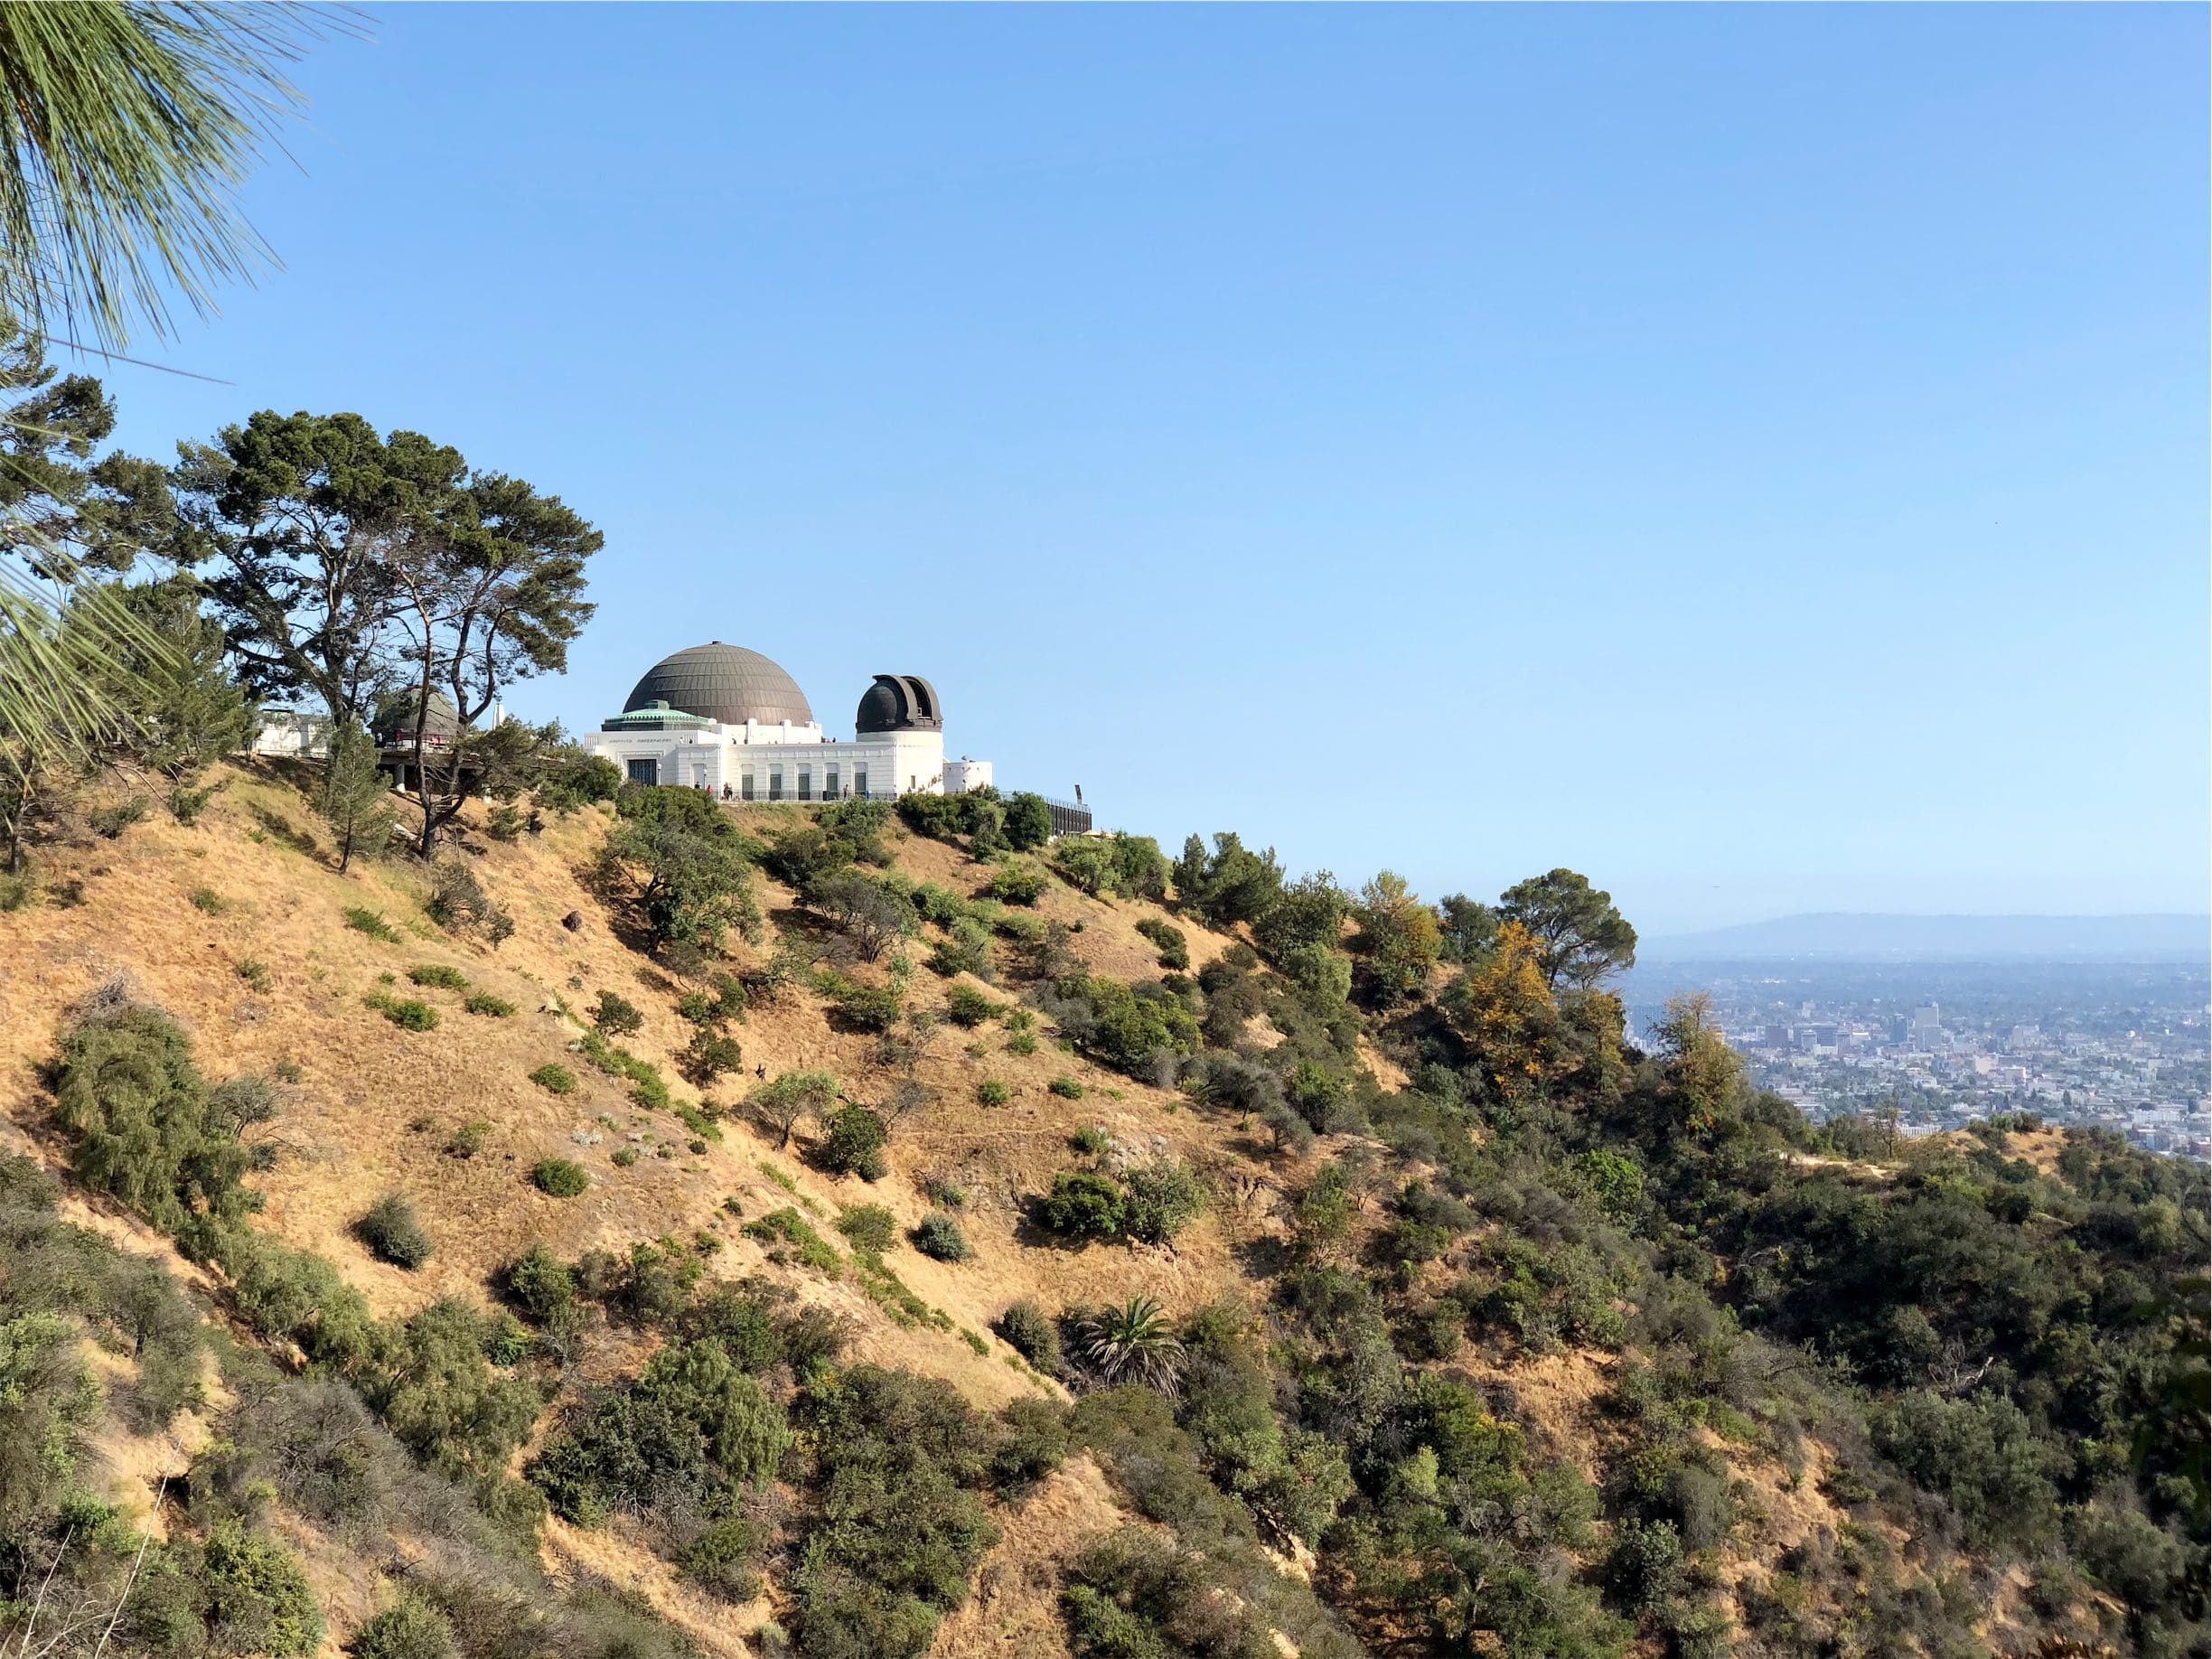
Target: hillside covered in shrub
<point>558,1216</point>
<point>1372,1288</point>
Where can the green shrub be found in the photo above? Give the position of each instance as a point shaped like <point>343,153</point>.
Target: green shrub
<point>1981,1453</point>
<point>439,975</point>
<point>938,1237</point>
<point>290,1296</point>
<point>1081,1205</point>
<point>206,899</point>
<point>505,823</point>
<point>491,1007</point>
<point>469,1139</point>
<point>853,1142</point>
<point>900,1461</point>
<point>625,1156</point>
<point>1015,884</point>
<point>1032,1333</point>
<point>694,865</point>
<point>866,1007</point>
<point>1067,1088</point>
<point>407,1013</point>
<point>788,1227</point>
<point>617,1015</point>
<point>108,822</point>
<point>459,903</point>
<point>559,1178</point>
<point>1174,949</point>
<point>255,973</point>
<point>410,1628</point>
<point>1023,1043</point>
<point>371,923</point>
<point>144,1125</point>
<point>967,1006</point>
<point>726,1558</point>
<point>256,1594</point>
<point>1646,1567</point>
<point>965,949</point>
<point>870,1226</point>
<point>393,1232</point>
<point>555,1078</point>
<point>186,804</point>
<point>990,1092</point>
<point>1091,1140</point>
<point>648,1089</point>
<point>542,1285</point>
<point>709,1056</point>
<point>693,1421</point>
<point>699,1123</point>
<point>1131,1028</point>
<point>1028,820</point>
<point>1160,1200</point>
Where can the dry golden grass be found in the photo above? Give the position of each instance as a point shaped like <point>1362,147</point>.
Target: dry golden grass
<point>375,1106</point>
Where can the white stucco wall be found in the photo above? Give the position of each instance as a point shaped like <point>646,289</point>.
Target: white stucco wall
<point>894,763</point>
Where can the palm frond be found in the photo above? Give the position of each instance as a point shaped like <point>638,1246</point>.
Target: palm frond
<point>1134,1342</point>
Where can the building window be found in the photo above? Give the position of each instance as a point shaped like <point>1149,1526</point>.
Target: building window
<point>745,783</point>
<point>860,782</point>
<point>776,783</point>
<point>806,783</point>
<point>644,772</point>
<point>830,781</point>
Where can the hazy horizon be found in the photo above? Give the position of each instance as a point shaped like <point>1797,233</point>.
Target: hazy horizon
<point>1756,456</point>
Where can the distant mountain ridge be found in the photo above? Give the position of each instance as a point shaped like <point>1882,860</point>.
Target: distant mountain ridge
<point>1855,936</point>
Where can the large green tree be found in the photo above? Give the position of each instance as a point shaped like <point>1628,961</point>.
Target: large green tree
<point>299,521</point>
<point>1232,884</point>
<point>1581,937</point>
<point>490,592</point>
<point>352,566</point>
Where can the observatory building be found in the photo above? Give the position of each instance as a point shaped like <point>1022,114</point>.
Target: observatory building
<point>727,720</point>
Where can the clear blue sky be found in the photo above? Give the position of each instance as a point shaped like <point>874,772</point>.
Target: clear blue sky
<point>1756,455</point>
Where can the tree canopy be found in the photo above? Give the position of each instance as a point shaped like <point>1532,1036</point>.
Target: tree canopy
<point>1581,937</point>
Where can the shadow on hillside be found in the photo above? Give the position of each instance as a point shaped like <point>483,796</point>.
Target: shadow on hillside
<point>618,905</point>
<point>1263,1258</point>
<point>279,828</point>
<point>1032,1234</point>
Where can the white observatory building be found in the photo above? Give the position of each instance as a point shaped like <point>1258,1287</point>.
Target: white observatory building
<point>727,720</point>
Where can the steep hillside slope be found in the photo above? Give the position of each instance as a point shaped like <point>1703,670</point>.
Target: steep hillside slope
<point>1477,1329</point>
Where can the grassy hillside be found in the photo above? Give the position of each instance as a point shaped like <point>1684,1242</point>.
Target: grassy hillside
<point>1194,1264</point>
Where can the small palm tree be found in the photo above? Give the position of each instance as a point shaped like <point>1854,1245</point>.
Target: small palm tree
<point>1135,1342</point>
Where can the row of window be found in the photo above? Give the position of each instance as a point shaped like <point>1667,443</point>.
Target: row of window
<point>746,786</point>
<point>642,771</point>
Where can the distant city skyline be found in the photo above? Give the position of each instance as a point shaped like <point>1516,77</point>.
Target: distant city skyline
<point>1757,457</point>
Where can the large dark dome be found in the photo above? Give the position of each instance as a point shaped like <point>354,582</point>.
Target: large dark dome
<point>899,703</point>
<point>723,682</point>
